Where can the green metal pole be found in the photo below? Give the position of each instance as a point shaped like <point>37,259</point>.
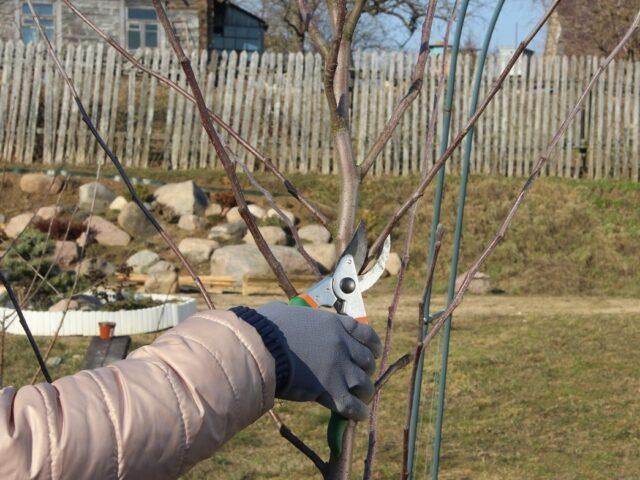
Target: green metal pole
<point>462,195</point>
<point>435,221</point>
<point>454,261</point>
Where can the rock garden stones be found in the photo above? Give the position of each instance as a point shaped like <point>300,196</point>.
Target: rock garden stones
<point>314,233</point>
<point>197,250</point>
<point>65,253</point>
<point>118,203</point>
<point>237,260</point>
<point>106,233</point>
<point>96,267</point>
<point>103,194</point>
<point>228,231</point>
<point>271,213</point>
<point>161,267</point>
<point>163,282</point>
<point>183,198</point>
<point>272,235</point>
<point>213,210</point>
<point>142,260</point>
<point>394,263</point>
<point>257,211</point>
<point>47,213</point>
<point>191,222</point>
<point>134,222</point>
<point>323,253</point>
<point>17,224</point>
<point>41,183</point>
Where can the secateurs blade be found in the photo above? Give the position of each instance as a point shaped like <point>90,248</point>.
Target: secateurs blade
<point>342,290</point>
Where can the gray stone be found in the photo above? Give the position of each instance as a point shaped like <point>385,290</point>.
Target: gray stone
<point>271,213</point>
<point>272,235</point>
<point>118,203</point>
<point>53,361</point>
<point>161,266</point>
<point>84,303</point>
<point>164,282</point>
<point>96,267</point>
<point>41,183</point>
<point>142,260</point>
<point>257,211</point>
<point>323,253</point>
<point>314,233</point>
<point>214,209</point>
<point>64,305</point>
<point>47,213</point>
<point>106,233</point>
<point>65,253</point>
<point>103,194</point>
<point>134,222</point>
<point>17,224</point>
<point>183,198</point>
<point>480,283</point>
<point>191,222</point>
<point>197,249</point>
<point>238,260</point>
<point>233,215</point>
<point>394,263</point>
<point>228,231</point>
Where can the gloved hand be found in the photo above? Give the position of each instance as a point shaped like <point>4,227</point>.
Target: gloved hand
<point>331,358</point>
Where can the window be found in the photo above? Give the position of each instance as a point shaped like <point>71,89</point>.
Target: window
<point>142,28</point>
<point>28,25</point>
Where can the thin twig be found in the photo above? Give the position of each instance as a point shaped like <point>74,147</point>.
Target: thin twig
<point>415,88</point>
<point>317,38</point>
<point>426,180</point>
<point>274,264</point>
<point>331,60</point>
<point>288,435</point>
<point>114,159</point>
<point>288,185</point>
<point>542,160</point>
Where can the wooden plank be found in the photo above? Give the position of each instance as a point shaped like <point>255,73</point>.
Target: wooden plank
<point>363,72</point>
<point>239,96</point>
<point>178,124</point>
<point>78,79</point>
<point>25,97</point>
<point>388,103</point>
<point>107,91</point>
<point>267,285</point>
<point>86,96</point>
<point>14,103</point>
<point>294,123</point>
<point>259,112</point>
<point>635,145</point>
<point>151,107</point>
<point>308,91</point>
<point>141,89</point>
<point>95,102</point>
<point>32,122</point>
<point>263,140</point>
<point>593,132</point>
<point>115,103</point>
<point>191,119</point>
<point>205,144</point>
<point>285,129</point>
<point>252,100</point>
<point>277,96</point>
<point>174,74</point>
<point>5,86</point>
<point>194,143</point>
<point>627,122</point>
<point>618,127</point>
<point>227,105</point>
<point>220,89</point>
<point>564,97</point>
<point>609,166</point>
<point>414,160</point>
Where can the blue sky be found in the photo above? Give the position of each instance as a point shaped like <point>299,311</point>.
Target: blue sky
<point>517,15</point>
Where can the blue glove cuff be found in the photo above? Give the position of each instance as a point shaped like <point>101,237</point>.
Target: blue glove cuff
<point>273,340</point>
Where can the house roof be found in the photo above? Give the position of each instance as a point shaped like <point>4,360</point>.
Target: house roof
<point>247,12</point>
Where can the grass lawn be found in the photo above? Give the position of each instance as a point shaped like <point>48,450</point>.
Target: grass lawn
<point>539,387</point>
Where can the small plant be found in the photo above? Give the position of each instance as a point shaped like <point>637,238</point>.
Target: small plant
<point>225,199</point>
<point>143,191</point>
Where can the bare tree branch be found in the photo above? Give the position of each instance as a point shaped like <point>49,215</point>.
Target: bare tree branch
<point>274,264</point>
<point>114,159</point>
<point>426,180</point>
<point>315,34</point>
<point>289,186</point>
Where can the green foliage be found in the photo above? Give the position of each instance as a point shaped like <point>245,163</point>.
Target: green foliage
<point>33,244</point>
<point>131,304</point>
<point>143,191</point>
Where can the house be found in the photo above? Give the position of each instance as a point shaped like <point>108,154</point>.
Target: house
<point>204,24</point>
<point>588,27</point>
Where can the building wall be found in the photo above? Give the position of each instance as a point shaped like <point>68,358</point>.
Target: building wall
<point>109,15</point>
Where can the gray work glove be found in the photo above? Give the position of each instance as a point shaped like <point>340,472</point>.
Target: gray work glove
<point>331,355</point>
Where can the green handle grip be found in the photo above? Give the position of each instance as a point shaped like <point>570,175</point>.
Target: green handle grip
<point>337,423</point>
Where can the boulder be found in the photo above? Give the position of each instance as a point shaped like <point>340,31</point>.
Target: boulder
<point>82,302</point>
<point>480,284</point>
<point>103,194</point>
<point>96,267</point>
<point>65,253</point>
<point>197,249</point>
<point>17,224</point>
<point>228,231</point>
<point>191,222</point>
<point>142,260</point>
<point>394,263</point>
<point>47,213</point>
<point>164,282</point>
<point>134,222</point>
<point>183,198</point>
<point>118,203</point>
<point>41,183</point>
<point>53,362</point>
<point>214,209</point>
<point>161,266</point>
<point>271,213</point>
<point>272,235</point>
<point>314,233</point>
<point>238,260</point>
<point>324,254</point>
<point>233,215</point>
<point>106,233</point>
<point>257,211</point>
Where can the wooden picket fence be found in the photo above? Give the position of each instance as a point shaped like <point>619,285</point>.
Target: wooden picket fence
<point>276,103</point>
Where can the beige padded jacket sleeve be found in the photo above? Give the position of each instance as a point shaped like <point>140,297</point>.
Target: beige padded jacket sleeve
<point>152,416</point>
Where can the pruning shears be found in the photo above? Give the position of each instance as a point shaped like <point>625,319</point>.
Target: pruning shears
<point>342,290</point>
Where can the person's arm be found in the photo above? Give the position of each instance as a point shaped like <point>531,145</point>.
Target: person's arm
<point>167,406</point>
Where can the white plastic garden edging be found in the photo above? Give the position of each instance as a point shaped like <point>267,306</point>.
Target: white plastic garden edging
<point>128,322</point>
